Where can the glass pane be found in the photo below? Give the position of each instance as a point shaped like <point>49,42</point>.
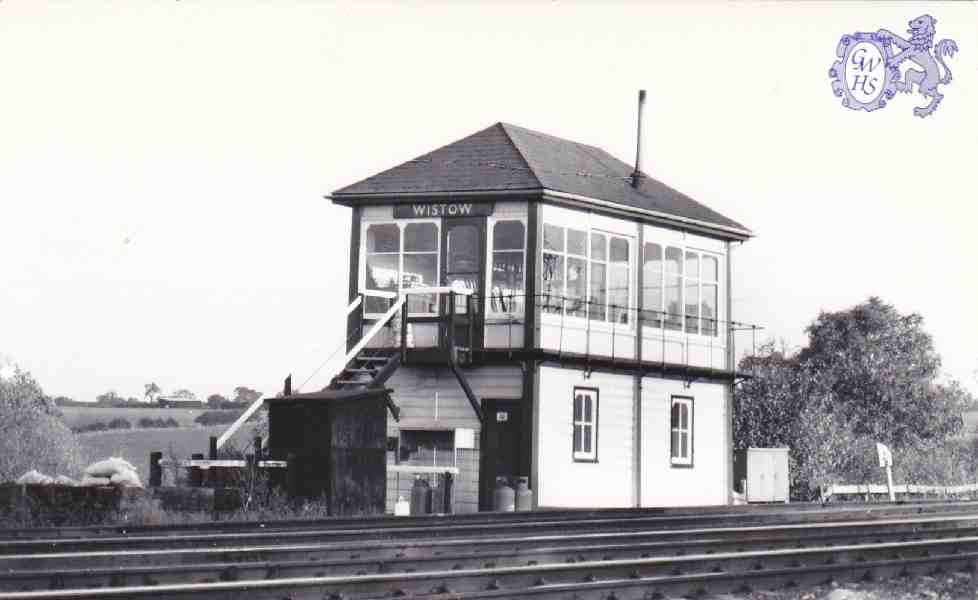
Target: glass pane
<point>599,247</point>
<point>383,238</point>
<point>553,282</point>
<point>587,409</point>
<point>652,282</point>
<point>421,237</point>
<point>576,242</point>
<point>692,306</point>
<point>684,416</point>
<point>711,268</point>
<point>464,281</point>
<point>674,257</point>
<point>692,265</point>
<point>382,272</point>
<point>420,270</point>
<point>506,286</point>
<point>673,309</point>
<point>577,438</point>
<point>508,235</point>
<point>587,438</point>
<point>684,450</point>
<point>553,238</point>
<point>576,287</point>
<point>708,309</point>
<point>463,249</point>
<point>619,250</point>
<point>618,285</point>
<point>674,445</point>
<point>598,295</point>
<point>578,407</point>
<point>675,415</point>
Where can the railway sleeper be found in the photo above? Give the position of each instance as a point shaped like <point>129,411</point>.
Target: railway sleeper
<point>326,559</point>
<point>699,568</point>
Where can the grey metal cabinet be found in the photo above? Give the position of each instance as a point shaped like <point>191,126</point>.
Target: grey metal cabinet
<point>761,474</point>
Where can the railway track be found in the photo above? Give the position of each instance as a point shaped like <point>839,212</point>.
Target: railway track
<point>617,556</point>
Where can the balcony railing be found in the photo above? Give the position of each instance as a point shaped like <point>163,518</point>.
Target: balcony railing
<point>566,327</point>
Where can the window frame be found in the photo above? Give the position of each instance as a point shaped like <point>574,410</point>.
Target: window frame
<point>490,262</point>
<point>582,456</point>
<point>658,317</point>
<point>681,462</point>
<point>401,225</point>
<point>608,321</point>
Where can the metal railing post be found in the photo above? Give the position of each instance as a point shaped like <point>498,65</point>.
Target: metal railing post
<point>404,326</point>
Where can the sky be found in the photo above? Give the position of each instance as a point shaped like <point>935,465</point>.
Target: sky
<point>163,164</point>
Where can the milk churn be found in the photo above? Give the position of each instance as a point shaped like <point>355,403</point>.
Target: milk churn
<point>420,497</point>
<point>402,507</point>
<point>503,498</point>
<point>524,497</point>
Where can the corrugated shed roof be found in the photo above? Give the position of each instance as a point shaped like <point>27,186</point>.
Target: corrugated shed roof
<point>506,157</point>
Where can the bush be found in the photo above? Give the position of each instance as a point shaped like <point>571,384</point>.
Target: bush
<point>32,436</point>
<point>119,423</point>
<point>217,417</point>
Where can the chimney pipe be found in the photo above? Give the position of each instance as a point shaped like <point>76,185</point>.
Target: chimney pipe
<point>637,174</point>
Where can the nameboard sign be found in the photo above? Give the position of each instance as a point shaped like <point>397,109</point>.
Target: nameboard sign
<point>427,210</point>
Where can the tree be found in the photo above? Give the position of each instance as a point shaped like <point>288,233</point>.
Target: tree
<point>110,398</point>
<point>184,394</point>
<point>152,391</point>
<point>32,436</point>
<point>868,374</point>
<point>216,401</point>
<point>245,395</point>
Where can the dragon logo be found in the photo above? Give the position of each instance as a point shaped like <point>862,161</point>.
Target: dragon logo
<point>867,74</point>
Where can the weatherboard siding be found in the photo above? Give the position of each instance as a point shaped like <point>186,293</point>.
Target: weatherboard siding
<point>705,482</point>
<point>563,482</point>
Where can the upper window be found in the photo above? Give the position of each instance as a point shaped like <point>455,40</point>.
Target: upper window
<point>681,427</point>
<point>586,274</point>
<point>507,284</point>
<point>400,256</point>
<point>681,289</point>
<point>585,424</point>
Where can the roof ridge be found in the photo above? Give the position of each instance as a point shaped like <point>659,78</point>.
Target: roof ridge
<point>519,151</point>
<point>546,135</point>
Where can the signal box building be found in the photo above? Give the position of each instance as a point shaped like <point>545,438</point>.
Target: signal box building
<point>540,308</point>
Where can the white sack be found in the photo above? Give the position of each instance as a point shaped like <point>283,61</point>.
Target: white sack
<point>109,467</point>
<point>34,476</point>
<point>88,480</point>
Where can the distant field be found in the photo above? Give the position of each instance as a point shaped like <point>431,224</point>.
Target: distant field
<point>78,416</point>
<point>135,445</point>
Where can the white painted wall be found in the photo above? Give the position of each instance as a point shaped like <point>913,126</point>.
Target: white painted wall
<point>561,482</point>
<point>705,482</point>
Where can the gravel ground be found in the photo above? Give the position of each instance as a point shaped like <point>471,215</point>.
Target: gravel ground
<point>953,586</point>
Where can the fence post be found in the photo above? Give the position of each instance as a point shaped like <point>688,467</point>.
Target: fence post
<point>195,475</point>
<point>155,469</point>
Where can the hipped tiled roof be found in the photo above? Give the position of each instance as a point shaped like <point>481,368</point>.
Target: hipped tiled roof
<point>508,158</point>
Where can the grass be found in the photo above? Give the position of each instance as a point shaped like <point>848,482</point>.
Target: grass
<point>78,416</point>
<point>135,445</point>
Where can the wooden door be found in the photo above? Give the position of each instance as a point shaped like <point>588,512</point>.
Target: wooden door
<point>500,443</point>
<point>463,266</point>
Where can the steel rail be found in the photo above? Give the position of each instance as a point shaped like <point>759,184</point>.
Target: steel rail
<point>518,580</point>
<point>420,548</point>
<point>260,566</point>
<point>705,512</point>
<point>446,530</point>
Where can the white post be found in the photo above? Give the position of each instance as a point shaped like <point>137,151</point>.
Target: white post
<point>889,483</point>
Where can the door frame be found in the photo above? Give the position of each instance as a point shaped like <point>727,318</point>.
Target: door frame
<point>481,225</point>
<point>487,479</point>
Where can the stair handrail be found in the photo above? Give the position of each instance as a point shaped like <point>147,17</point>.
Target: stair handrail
<point>381,322</point>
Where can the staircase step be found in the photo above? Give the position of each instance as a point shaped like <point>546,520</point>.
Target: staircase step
<point>351,382</point>
<point>366,370</point>
<point>373,358</point>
